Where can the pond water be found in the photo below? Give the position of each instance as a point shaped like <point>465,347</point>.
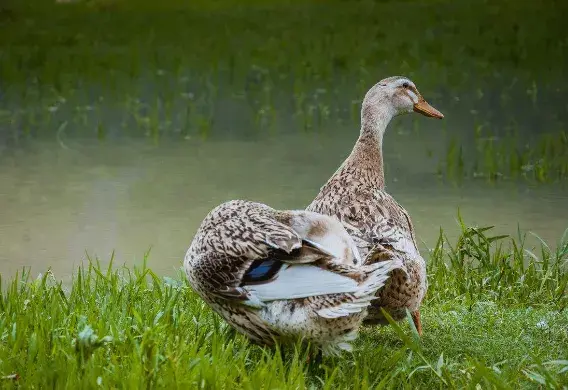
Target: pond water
<point>60,202</point>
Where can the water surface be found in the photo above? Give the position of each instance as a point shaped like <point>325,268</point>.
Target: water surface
<point>59,203</point>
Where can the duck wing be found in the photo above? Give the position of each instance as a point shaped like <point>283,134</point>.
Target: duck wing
<point>373,218</point>
<point>243,254</point>
<point>301,281</point>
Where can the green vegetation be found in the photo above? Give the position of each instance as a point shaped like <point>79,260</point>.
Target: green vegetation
<point>544,159</point>
<point>495,315</point>
<point>496,311</point>
<point>113,68</point>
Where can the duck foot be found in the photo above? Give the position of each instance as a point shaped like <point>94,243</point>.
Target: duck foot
<point>417,322</point>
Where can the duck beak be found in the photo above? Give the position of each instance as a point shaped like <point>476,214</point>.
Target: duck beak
<point>426,109</point>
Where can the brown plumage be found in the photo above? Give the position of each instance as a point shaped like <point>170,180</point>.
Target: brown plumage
<point>380,227</point>
<point>283,274</point>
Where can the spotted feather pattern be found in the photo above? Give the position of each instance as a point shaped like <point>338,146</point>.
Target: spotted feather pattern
<point>237,233</point>
<point>380,227</point>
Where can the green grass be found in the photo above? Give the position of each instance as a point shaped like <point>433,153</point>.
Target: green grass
<point>495,316</point>
<point>110,68</point>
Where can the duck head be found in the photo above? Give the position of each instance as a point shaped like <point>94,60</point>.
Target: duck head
<point>395,96</point>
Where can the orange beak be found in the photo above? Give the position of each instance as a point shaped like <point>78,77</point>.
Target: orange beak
<point>426,109</point>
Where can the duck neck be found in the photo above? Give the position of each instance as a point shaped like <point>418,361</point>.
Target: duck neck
<point>367,155</point>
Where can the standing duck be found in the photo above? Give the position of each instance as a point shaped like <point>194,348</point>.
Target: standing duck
<point>283,275</point>
<point>355,194</point>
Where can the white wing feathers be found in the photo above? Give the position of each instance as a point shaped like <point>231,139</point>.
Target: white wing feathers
<point>365,293</point>
<point>301,281</point>
<point>304,280</point>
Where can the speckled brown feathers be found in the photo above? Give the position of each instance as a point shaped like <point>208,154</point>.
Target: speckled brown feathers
<point>382,230</point>
<point>316,288</point>
<point>355,194</point>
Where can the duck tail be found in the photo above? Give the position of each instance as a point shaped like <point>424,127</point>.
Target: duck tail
<point>377,276</point>
<point>374,277</point>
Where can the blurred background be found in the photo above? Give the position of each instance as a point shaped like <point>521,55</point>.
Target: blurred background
<point>122,122</point>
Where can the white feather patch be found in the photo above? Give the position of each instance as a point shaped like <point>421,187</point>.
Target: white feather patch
<point>412,96</point>
<point>301,281</point>
<point>320,247</point>
<point>365,293</point>
<point>254,302</point>
<point>345,347</point>
<point>344,309</point>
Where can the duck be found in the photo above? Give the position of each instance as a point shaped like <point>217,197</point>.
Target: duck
<point>381,228</point>
<point>283,276</point>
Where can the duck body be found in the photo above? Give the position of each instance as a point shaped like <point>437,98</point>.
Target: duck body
<point>283,275</point>
<point>382,230</point>
<point>380,226</point>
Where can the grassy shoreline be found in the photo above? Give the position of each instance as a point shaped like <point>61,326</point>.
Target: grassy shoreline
<point>496,311</point>
<point>495,314</point>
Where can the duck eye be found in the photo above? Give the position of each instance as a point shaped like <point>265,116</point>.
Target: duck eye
<point>405,85</point>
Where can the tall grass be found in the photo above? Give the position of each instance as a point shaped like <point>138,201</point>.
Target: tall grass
<point>498,268</point>
<point>495,317</point>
